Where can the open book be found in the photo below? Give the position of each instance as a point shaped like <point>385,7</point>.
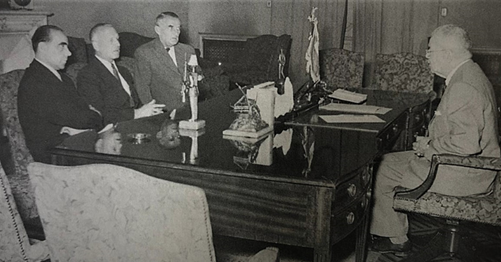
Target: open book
<point>345,95</point>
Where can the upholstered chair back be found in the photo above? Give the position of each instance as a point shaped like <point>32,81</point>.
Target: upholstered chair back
<point>14,243</point>
<point>73,69</point>
<point>260,60</point>
<point>127,62</point>
<point>20,156</point>
<point>103,212</point>
<point>341,68</point>
<point>405,72</point>
<point>130,41</point>
<point>79,50</point>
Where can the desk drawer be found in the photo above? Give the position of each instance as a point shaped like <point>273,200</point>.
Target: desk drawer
<point>346,220</point>
<point>351,190</point>
<point>387,137</point>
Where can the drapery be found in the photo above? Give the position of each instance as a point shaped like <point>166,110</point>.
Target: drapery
<point>390,26</point>
<point>291,17</point>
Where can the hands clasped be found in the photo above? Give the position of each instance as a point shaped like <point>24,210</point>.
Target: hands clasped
<point>149,109</point>
<point>421,144</point>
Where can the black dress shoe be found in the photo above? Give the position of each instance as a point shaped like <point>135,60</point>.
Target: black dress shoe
<point>384,245</point>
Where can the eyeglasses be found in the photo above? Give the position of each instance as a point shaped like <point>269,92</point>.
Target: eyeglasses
<point>431,51</point>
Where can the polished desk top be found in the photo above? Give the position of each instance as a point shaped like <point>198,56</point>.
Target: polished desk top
<point>300,151</point>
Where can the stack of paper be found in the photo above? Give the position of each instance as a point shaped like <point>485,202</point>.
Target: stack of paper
<point>364,109</point>
<point>345,95</point>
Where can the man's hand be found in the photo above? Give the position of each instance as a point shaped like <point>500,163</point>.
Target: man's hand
<point>421,144</point>
<point>72,131</point>
<point>148,110</point>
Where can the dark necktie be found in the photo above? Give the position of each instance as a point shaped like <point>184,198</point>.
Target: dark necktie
<point>172,59</point>
<point>115,73</point>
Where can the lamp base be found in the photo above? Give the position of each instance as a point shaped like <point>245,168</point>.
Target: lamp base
<point>193,125</point>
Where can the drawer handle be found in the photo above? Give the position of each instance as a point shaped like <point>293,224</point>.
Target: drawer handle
<point>395,128</point>
<point>352,190</point>
<point>350,218</point>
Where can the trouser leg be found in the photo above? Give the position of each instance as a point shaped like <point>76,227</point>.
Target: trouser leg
<point>393,171</point>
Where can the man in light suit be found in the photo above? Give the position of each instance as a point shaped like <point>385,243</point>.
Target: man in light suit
<point>108,87</point>
<point>160,64</point>
<point>465,123</point>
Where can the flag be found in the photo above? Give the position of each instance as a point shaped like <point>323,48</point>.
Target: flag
<point>312,62</point>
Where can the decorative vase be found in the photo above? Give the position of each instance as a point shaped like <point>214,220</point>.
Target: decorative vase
<point>22,2</point>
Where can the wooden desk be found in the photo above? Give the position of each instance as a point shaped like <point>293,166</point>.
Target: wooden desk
<point>302,185</point>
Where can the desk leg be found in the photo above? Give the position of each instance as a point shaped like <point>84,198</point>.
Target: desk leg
<point>322,249</point>
<point>361,241</point>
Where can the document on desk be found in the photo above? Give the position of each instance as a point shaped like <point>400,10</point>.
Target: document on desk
<point>364,109</point>
<point>351,119</point>
<point>346,95</point>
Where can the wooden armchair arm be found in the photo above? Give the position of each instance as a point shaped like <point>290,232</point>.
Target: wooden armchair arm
<point>491,163</point>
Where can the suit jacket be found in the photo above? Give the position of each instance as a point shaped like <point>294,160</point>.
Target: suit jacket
<point>99,87</point>
<point>45,105</point>
<point>156,75</point>
<point>465,123</point>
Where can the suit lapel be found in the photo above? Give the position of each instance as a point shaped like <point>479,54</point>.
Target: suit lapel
<point>164,57</point>
<point>111,81</point>
<point>133,92</point>
<point>181,57</point>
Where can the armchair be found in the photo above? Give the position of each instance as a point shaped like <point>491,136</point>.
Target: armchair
<point>103,212</point>
<point>484,209</point>
<point>405,72</point>
<point>260,60</point>
<point>341,68</point>
<point>20,156</point>
<point>14,243</point>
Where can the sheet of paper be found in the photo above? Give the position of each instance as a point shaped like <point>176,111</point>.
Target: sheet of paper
<point>351,119</point>
<point>365,109</point>
<point>346,95</point>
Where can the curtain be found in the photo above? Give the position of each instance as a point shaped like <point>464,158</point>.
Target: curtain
<point>291,17</point>
<point>390,26</point>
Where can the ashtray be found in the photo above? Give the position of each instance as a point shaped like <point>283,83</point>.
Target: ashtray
<point>138,138</point>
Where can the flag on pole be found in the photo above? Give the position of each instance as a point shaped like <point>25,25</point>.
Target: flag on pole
<point>312,61</point>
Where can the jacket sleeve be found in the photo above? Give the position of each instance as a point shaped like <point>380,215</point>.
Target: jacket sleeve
<point>465,122</point>
<point>142,75</point>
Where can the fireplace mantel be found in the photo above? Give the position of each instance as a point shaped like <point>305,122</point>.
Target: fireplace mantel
<point>16,28</point>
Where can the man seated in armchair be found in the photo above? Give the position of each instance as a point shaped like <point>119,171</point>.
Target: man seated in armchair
<point>49,106</point>
<point>465,123</point>
<point>107,87</point>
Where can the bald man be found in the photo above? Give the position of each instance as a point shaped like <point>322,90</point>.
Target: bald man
<point>465,123</point>
<point>108,87</point>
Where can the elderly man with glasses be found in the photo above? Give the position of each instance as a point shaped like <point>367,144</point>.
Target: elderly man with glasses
<point>465,123</point>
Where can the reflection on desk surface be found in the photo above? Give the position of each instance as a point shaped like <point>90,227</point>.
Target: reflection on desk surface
<point>292,151</point>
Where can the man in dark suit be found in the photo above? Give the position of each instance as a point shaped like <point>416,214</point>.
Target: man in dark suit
<point>465,123</point>
<point>160,64</point>
<point>49,106</point>
<point>108,87</point>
